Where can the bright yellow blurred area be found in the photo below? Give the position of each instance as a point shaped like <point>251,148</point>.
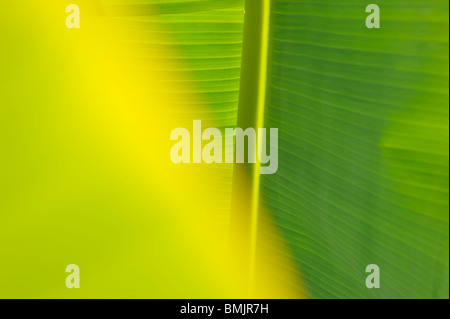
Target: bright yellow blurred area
<point>85,171</point>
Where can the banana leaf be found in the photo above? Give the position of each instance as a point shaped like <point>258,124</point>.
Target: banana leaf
<point>363,151</point>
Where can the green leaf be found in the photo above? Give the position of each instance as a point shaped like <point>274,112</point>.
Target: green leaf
<point>203,41</point>
<point>150,7</point>
<point>205,47</point>
<point>363,151</point>
<point>363,125</point>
